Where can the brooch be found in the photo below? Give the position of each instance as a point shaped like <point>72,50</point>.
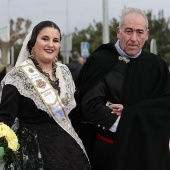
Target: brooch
<point>126,60</point>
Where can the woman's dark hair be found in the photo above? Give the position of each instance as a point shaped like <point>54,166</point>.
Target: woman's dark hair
<point>36,30</point>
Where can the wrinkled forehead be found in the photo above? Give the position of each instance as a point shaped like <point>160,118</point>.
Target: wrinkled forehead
<point>134,21</point>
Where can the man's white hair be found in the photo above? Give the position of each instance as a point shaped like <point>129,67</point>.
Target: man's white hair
<point>132,10</point>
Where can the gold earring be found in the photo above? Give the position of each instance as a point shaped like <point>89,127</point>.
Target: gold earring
<point>32,53</point>
<point>55,59</point>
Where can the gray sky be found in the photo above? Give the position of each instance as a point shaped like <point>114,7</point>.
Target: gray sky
<point>80,12</point>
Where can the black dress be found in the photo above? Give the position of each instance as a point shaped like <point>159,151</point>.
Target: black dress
<point>44,145</point>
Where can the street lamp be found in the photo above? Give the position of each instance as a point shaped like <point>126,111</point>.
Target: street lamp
<point>67,19</point>
<point>105,22</point>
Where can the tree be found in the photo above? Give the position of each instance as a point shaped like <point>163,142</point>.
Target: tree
<point>92,34</point>
<point>159,30</point>
<point>15,35</point>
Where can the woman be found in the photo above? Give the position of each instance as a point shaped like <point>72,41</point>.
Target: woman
<point>39,92</point>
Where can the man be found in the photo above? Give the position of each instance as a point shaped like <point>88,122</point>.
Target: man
<point>133,132</point>
<point>81,60</point>
<point>75,66</point>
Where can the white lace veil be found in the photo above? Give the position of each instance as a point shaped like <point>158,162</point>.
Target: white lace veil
<point>23,55</point>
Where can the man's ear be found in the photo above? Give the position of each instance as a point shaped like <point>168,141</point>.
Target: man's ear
<point>118,32</point>
<point>147,35</point>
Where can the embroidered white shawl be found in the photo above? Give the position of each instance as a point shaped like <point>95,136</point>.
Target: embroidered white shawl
<point>18,79</point>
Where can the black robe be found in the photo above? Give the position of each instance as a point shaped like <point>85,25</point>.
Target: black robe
<point>142,136</point>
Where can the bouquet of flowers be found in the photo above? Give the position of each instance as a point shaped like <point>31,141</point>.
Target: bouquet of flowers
<point>8,144</point>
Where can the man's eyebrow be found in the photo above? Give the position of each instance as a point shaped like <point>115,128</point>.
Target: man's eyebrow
<point>128,28</point>
<point>139,29</point>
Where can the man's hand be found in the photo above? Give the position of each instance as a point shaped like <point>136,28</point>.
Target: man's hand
<point>116,108</point>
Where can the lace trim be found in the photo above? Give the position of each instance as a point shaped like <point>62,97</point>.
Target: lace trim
<point>54,83</point>
<point>18,79</point>
<point>65,80</point>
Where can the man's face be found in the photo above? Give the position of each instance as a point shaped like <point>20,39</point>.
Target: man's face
<point>133,33</point>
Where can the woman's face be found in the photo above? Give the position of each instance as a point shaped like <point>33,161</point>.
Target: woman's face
<point>47,45</point>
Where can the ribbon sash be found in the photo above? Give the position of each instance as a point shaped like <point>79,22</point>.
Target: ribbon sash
<point>50,98</point>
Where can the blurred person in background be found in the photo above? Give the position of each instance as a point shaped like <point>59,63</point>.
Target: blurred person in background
<point>81,60</point>
<point>75,66</point>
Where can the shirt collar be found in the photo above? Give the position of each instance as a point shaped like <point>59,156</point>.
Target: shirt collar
<point>122,53</point>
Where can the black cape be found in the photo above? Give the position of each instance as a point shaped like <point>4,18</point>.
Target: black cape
<point>142,136</point>
<point>97,66</point>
